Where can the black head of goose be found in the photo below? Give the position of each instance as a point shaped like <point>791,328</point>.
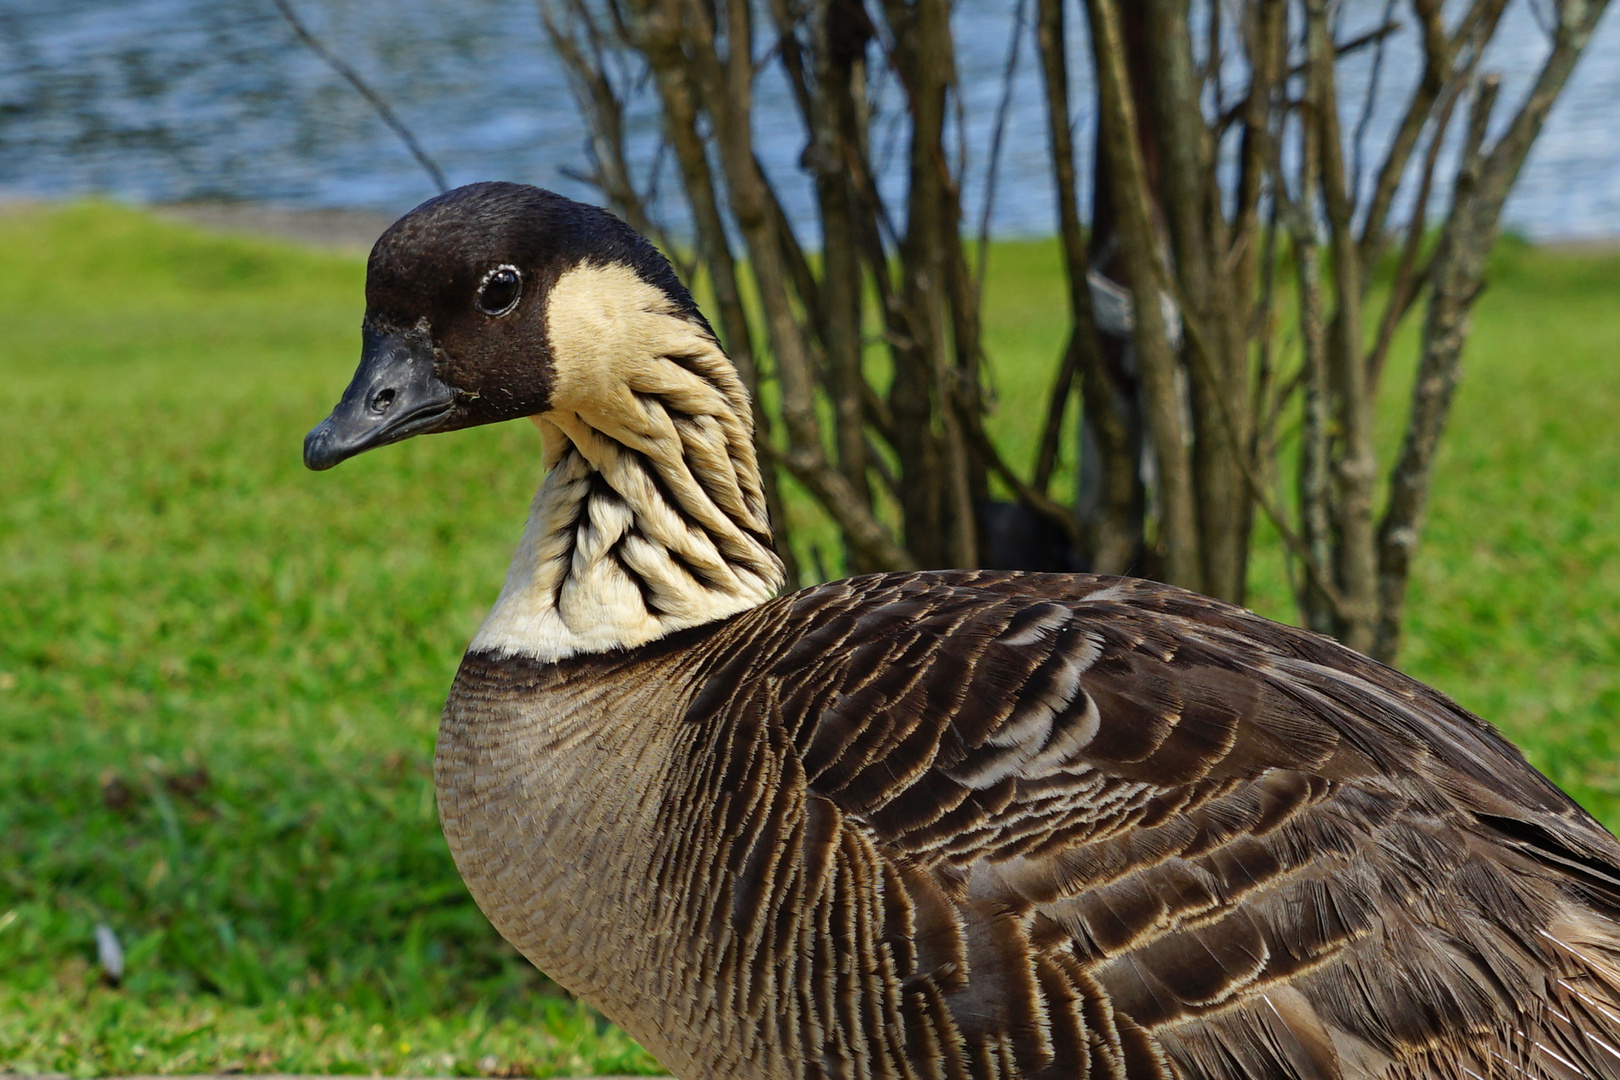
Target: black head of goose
<point>954,824</point>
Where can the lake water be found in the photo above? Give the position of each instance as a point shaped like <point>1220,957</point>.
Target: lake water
<point>170,100</point>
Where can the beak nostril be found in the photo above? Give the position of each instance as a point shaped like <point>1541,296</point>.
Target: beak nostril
<point>383,401</point>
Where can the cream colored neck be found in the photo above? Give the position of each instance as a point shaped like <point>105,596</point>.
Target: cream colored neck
<point>652,516</point>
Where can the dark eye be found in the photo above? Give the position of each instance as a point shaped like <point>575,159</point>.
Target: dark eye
<point>500,291</point>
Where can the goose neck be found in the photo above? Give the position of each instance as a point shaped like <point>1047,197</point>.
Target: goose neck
<point>651,519</point>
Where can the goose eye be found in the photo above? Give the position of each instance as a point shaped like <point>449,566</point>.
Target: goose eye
<point>500,291</point>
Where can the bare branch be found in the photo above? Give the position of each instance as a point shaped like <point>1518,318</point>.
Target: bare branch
<point>1315,485</point>
<point>1440,55</point>
<point>1370,102</point>
<point>600,102</point>
<point>1481,189</point>
<point>1437,68</point>
<point>1117,119</point>
<point>1456,285</point>
<point>1213,352</point>
<point>787,46</point>
<point>1003,109</point>
<point>1376,36</point>
<point>1031,497</point>
<point>793,255</point>
<point>1057,407</point>
<point>1263,430</point>
<point>1267,43</point>
<point>1228,116</point>
<point>839,38</point>
<point>1355,466</point>
<point>1200,394</point>
<point>1315,567</point>
<point>1209,72</point>
<point>1080,353</point>
<point>387,114</point>
<point>938,511</point>
<point>656,35</point>
<point>860,529</point>
<point>1407,281</point>
<point>727,92</point>
<point>1314,476</point>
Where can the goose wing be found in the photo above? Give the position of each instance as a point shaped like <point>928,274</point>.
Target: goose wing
<point>1063,826</point>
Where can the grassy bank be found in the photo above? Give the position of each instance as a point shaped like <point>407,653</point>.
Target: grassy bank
<point>220,674</point>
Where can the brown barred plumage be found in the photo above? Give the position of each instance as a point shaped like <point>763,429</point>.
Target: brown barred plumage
<point>964,824</point>
<point>997,825</point>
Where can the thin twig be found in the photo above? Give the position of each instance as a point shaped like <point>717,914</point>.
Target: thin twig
<point>1138,244</point>
<point>1313,483</point>
<point>1080,351</point>
<point>1355,463</point>
<point>1408,281</point>
<point>387,114</point>
<point>1368,105</point>
<point>992,168</point>
<point>725,85</point>
<point>1036,500</point>
<point>792,55</point>
<point>1262,497</point>
<point>1261,329</point>
<point>1226,116</point>
<point>656,36</point>
<point>600,102</point>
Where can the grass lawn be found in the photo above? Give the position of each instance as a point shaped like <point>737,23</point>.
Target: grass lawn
<point>220,674</point>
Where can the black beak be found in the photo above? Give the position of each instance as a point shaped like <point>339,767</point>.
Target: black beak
<point>392,396</point>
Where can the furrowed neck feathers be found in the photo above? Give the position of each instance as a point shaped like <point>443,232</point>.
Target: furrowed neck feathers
<point>652,516</point>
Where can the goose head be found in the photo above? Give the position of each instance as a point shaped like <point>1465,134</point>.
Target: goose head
<point>497,301</point>
<point>465,322</point>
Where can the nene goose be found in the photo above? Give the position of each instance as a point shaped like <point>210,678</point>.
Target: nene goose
<point>953,824</point>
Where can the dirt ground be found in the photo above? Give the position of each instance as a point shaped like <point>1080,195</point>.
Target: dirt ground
<point>344,230</point>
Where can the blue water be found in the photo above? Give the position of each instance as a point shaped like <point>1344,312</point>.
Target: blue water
<point>166,100</point>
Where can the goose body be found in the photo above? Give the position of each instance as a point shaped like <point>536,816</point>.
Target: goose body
<point>954,824</point>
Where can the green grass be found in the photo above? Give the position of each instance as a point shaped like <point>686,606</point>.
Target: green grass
<point>220,674</point>
<point>220,677</point>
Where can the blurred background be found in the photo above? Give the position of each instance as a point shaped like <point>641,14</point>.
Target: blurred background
<point>220,675</point>
<point>173,101</point>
